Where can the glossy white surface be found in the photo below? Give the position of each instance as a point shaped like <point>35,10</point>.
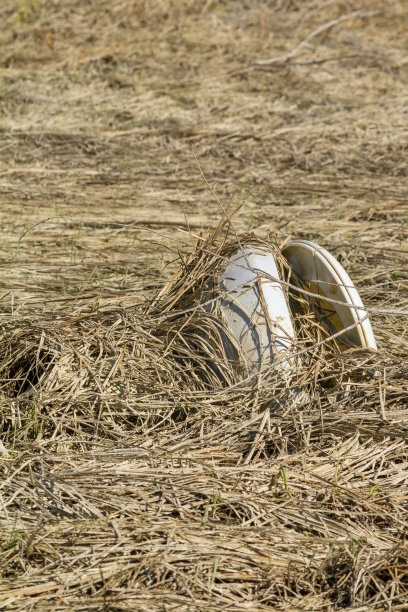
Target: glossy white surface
<point>255,309</point>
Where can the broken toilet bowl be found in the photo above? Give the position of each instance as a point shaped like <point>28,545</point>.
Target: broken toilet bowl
<point>255,310</point>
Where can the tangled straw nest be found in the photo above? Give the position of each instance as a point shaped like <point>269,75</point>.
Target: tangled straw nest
<point>118,369</point>
<point>254,491</point>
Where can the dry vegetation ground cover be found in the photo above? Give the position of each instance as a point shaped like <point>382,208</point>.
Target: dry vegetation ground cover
<point>133,476</point>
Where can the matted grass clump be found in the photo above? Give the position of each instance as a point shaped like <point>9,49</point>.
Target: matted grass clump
<point>119,369</point>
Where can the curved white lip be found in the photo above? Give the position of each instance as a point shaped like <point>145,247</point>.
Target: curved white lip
<point>306,257</point>
<point>254,307</point>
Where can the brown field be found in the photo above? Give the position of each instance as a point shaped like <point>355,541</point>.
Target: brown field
<point>131,478</point>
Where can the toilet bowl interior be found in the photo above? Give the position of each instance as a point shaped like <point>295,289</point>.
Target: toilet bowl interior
<point>330,293</point>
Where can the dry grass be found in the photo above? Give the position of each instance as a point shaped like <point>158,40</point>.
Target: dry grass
<point>135,476</point>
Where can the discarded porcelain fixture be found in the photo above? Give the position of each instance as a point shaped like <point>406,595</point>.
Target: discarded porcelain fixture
<point>255,309</point>
<point>320,274</point>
